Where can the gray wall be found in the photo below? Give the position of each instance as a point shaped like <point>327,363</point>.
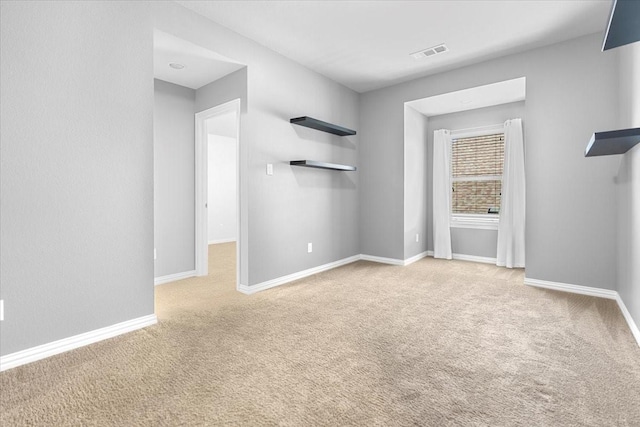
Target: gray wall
<point>474,242</point>
<point>280,214</point>
<point>77,188</point>
<point>89,163</point>
<point>467,241</point>
<point>300,205</point>
<point>628,183</point>
<point>174,184</point>
<point>228,88</point>
<point>381,160</point>
<point>416,174</point>
<point>174,206</point>
<point>570,236</point>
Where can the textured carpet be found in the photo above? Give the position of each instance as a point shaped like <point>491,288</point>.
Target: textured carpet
<point>436,343</point>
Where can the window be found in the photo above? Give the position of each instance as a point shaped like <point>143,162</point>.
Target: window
<point>476,176</point>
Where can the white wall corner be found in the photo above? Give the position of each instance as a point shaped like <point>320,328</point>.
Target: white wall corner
<point>627,316</point>
<point>245,289</point>
<point>60,346</point>
<point>594,292</point>
<point>415,258</point>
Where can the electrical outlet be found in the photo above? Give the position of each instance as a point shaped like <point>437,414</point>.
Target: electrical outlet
<point>269,168</point>
<point>309,247</point>
<point>1,309</point>
<point>417,237</point>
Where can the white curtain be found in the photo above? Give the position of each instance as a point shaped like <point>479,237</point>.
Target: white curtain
<point>511,225</point>
<point>441,194</point>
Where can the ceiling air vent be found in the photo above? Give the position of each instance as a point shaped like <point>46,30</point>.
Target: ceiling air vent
<point>441,48</point>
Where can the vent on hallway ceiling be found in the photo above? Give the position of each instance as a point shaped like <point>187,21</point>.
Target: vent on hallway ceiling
<point>432,51</point>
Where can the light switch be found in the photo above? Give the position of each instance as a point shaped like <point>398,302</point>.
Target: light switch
<point>269,168</point>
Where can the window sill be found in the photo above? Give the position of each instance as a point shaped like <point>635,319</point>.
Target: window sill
<point>474,221</point>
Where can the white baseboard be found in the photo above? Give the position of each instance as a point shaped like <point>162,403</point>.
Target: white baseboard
<point>305,273</point>
<point>627,316</point>
<point>46,350</point>
<point>594,292</point>
<point>382,260</point>
<point>394,261</point>
<point>215,242</point>
<point>474,258</point>
<point>574,289</point>
<point>295,276</point>
<point>173,277</point>
<point>415,258</point>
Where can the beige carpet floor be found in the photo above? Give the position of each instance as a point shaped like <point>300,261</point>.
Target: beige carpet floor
<point>436,343</point>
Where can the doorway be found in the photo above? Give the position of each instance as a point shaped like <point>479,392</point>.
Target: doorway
<point>217,178</point>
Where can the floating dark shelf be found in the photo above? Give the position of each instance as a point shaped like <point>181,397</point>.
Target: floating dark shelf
<point>612,142</point>
<point>321,165</point>
<point>323,126</point>
<point>623,24</point>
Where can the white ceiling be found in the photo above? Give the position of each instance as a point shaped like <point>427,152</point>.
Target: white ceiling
<point>366,45</point>
<point>472,98</point>
<point>201,66</point>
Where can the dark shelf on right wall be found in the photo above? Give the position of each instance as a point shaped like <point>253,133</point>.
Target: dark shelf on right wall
<point>623,25</point>
<point>612,142</point>
<point>316,124</point>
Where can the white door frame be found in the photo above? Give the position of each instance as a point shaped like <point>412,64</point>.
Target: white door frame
<point>202,187</point>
